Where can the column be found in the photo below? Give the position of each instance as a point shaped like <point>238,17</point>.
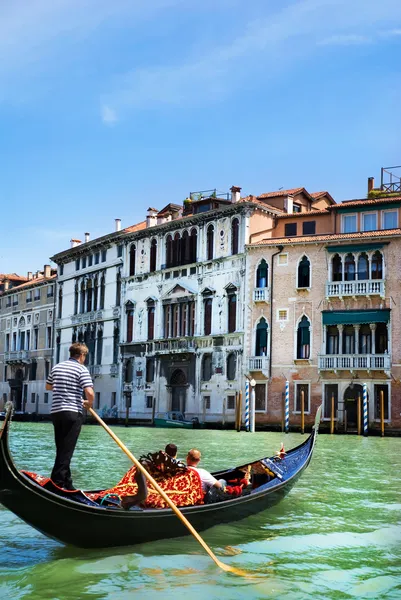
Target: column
<point>370,265</point>
<point>389,345</point>
<point>373,330</point>
<point>324,349</point>
<point>340,338</point>
<point>356,329</point>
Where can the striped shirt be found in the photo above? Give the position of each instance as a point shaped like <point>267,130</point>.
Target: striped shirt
<point>69,379</point>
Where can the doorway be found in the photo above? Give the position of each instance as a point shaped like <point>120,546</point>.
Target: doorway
<point>179,386</point>
<point>351,395</point>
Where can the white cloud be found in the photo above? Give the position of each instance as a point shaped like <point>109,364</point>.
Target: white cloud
<point>345,40</point>
<point>109,115</point>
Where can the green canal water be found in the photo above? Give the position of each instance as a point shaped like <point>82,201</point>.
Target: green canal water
<point>336,535</point>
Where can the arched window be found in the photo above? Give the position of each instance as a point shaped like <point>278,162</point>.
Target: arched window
<point>348,340</point>
<point>99,347</point>
<point>209,242</point>
<point>89,296</point>
<point>153,255</point>
<point>118,289</point>
<point>130,321</point>
<point>234,236</point>
<point>194,245</point>
<point>176,250</point>
<point>102,292</point>
<point>363,267</point>
<point>231,366</point>
<point>262,274</point>
<point>349,268</point>
<point>261,338</point>
<point>95,293</point>
<point>365,340</point>
<point>169,251</point>
<point>232,311</point>
<point>381,338</point>
<point>76,297</point>
<point>303,338</point>
<point>128,371</point>
<point>74,336</point>
<point>207,367</point>
<point>304,273</point>
<point>207,316</point>
<point>336,268</point>
<point>151,319</point>
<point>132,259</point>
<point>185,248</point>
<point>60,303</point>
<point>377,266</point>
<point>116,340</point>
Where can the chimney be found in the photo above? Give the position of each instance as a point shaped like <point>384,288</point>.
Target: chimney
<point>371,184</point>
<point>118,224</point>
<point>87,237</point>
<point>235,193</point>
<point>290,204</point>
<point>75,243</point>
<point>151,217</point>
<point>29,275</point>
<point>6,285</point>
<point>47,271</point>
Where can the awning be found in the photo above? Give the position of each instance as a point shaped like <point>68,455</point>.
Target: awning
<point>355,317</point>
<point>356,247</point>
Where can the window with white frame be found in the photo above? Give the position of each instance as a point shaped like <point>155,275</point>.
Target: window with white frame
<point>282,259</point>
<point>206,400</point>
<point>349,223</point>
<point>389,219</point>
<point>302,392</point>
<point>282,314</point>
<point>369,221</point>
<point>230,402</point>
<point>261,397</point>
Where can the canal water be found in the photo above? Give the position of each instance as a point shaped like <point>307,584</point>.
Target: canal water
<point>336,535</point>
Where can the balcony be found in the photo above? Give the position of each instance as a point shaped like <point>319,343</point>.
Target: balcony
<point>258,363</point>
<point>94,370</point>
<point>261,294</point>
<point>369,287</point>
<point>113,370</point>
<point>354,362</point>
<point>17,356</point>
<point>174,345</point>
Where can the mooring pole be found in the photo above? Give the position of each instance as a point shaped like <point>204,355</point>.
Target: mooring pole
<point>287,406</point>
<point>365,409</point>
<point>382,411</point>
<point>302,411</point>
<point>332,414</point>
<point>359,414</point>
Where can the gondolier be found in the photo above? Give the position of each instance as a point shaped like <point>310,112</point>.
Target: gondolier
<point>68,381</point>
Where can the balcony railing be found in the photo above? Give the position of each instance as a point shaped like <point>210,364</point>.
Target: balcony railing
<point>16,356</point>
<point>175,345</point>
<point>258,363</point>
<point>261,294</point>
<point>369,287</point>
<point>352,362</point>
<point>94,370</point>
<point>113,369</point>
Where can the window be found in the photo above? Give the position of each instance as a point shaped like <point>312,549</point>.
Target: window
<point>35,338</point>
<point>260,397</point>
<point>296,208</point>
<point>230,402</point>
<point>348,223</point>
<point>282,259</point>
<point>206,400</point>
<point>309,227</point>
<point>132,258</point>
<point>61,270</point>
<point>261,274</point>
<point>153,256</point>
<point>5,374</point>
<point>336,268</point>
<point>231,366</point>
<point>234,236</point>
<point>83,262</point>
<point>97,258</point>
<point>37,294</point>
<point>209,242</point>
<point>363,267</point>
<point>15,299</point>
<point>102,293</point>
<point>282,314</point>
<point>7,348</point>
<point>104,255</point>
<point>46,398</point>
<point>301,390</point>
<point>28,296</point>
<point>50,291</point>
<point>113,399</point>
<point>97,400</point>
<point>303,339</point>
<point>330,395</point>
<point>99,347</point>
<point>261,338</point>
<point>118,289</point>
<point>290,229</point>
<point>33,398</point>
<point>377,266</point>
<point>232,312</point>
<point>381,391</point>
<point>332,340</point>
<point>365,340</point>
<point>119,251</point>
<point>90,260</point>
<point>60,303</point>
<point>129,371</point>
<point>48,337</point>
<point>77,263</point>
<point>149,401</point>
<point>130,323</point>
<point>369,221</point>
<point>32,370</point>
<point>348,340</point>
<point>389,219</point>
<point>151,320</point>
<point>150,370</point>
<point>47,369</point>
<point>206,367</point>
<point>304,273</point>
<point>349,268</point>
<point>381,345</point>
<point>207,316</point>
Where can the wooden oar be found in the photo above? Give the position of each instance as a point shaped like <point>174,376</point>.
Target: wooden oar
<point>166,498</point>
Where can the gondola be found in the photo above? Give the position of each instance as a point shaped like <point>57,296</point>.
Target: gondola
<point>69,519</point>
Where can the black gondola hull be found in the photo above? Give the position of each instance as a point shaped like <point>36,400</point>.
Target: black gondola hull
<point>97,527</point>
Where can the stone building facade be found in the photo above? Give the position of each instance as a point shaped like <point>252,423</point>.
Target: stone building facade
<point>27,313</point>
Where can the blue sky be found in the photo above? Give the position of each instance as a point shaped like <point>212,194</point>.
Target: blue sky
<point>108,107</point>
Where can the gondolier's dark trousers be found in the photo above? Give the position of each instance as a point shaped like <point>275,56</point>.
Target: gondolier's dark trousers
<point>67,426</point>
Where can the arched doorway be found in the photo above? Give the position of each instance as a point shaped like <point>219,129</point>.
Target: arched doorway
<point>179,386</point>
<point>351,405</point>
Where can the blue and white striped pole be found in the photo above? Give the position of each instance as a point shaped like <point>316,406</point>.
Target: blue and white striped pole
<point>365,409</point>
<point>287,407</point>
<point>246,405</point>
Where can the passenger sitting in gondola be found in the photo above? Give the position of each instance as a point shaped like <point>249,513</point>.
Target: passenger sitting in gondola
<point>207,479</point>
<point>171,450</point>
